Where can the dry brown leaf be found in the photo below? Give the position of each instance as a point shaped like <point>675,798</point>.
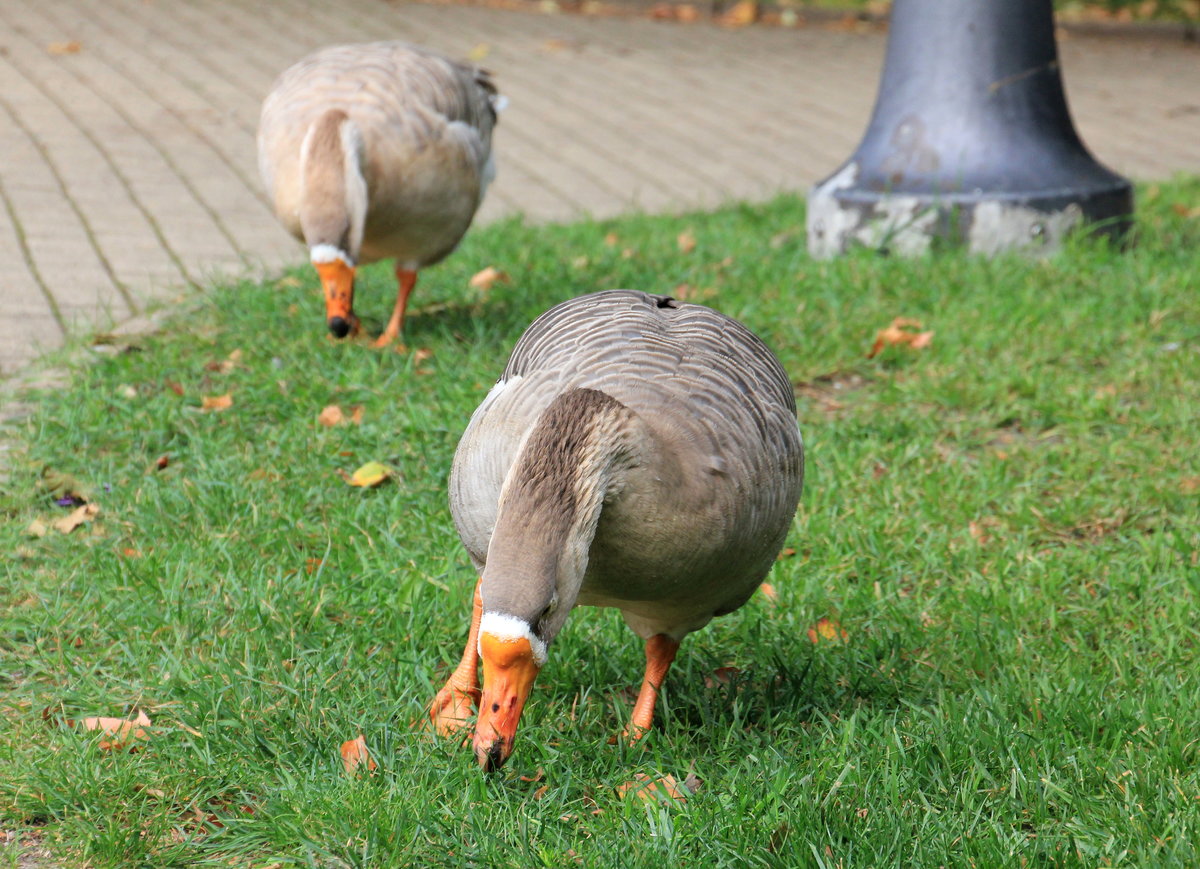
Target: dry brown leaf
<point>686,241</point>
<point>901,330</point>
<point>225,365</point>
<point>721,676</point>
<point>356,414</point>
<point>355,754</point>
<point>536,777</point>
<point>217,402</point>
<point>330,416</point>
<point>483,280</point>
<point>785,553</point>
<point>647,789</point>
<point>740,14</point>
<point>73,46</point>
<point>117,733</point>
<point>37,528</point>
<point>769,592</point>
<point>611,239</point>
<point>130,552</point>
<point>826,629</point>
<point>1184,211</point>
<point>980,530</point>
<point>82,513</point>
<point>541,792</point>
<point>421,354</point>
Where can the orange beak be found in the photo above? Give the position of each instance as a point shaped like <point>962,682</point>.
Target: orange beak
<point>337,279</point>
<point>508,673</point>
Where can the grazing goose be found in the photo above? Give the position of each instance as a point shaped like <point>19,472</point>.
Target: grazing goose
<point>375,151</point>
<point>639,453</point>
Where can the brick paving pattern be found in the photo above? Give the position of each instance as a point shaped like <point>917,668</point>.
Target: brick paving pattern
<point>128,169</point>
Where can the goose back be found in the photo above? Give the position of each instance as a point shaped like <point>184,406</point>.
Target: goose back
<point>426,124</point>
<point>692,535</point>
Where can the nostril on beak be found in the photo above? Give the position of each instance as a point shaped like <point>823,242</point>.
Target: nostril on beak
<point>339,326</point>
<point>494,759</point>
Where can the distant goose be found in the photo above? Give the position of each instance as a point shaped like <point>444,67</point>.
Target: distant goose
<point>637,452</point>
<point>375,151</point>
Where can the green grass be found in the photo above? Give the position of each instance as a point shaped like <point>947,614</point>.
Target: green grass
<point>1027,694</point>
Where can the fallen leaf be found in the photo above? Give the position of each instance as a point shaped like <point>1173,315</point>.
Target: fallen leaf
<point>84,513</point>
<point>541,792</point>
<point>721,676</point>
<point>356,414</point>
<point>287,282</point>
<point>332,415</point>
<point>130,552</point>
<point>479,51</point>
<point>693,782</point>
<point>979,530</point>
<point>355,754</point>
<point>686,241</point>
<point>369,475</point>
<point>117,733</point>
<point>63,488</point>
<point>483,280</point>
<point>664,789</point>
<point>740,14</point>
<point>785,553</point>
<point>902,330</point>
<point>826,629</point>
<point>611,239</point>
<point>162,462</point>
<point>536,777</point>
<point>217,402</point>
<point>769,592</point>
<point>37,528</point>
<point>174,387</point>
<point>1184,211</point>
<point>74,46</point>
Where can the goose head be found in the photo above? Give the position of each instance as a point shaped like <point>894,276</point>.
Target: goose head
<point>333,211</point>
<point>549,508</point>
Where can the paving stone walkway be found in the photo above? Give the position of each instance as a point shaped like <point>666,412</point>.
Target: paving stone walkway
<point>128,171</point>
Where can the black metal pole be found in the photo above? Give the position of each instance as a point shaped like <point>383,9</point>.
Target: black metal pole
<point>970,142</point>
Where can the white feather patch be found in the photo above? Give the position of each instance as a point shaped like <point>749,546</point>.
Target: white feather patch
<point>327,253</point>
<point>505,627</point>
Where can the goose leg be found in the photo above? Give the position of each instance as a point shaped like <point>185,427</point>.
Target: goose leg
<point>660,652</point>
<point>406,279</point>
<point>454,704</point>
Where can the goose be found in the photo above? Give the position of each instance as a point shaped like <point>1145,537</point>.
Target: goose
<point>637,452</point>
<point>375,151</point>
